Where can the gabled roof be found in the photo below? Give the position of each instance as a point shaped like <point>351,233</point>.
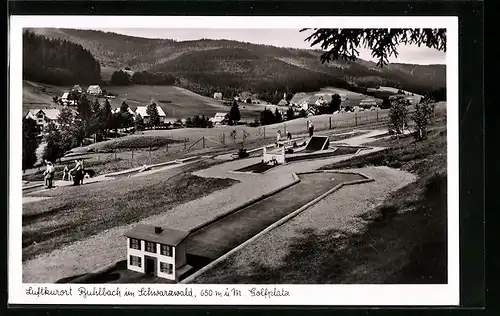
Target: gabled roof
<point>65,95</point>
<point>220,114</point>
<point>51,114</point>
<point>168,236</point>
<point>92,87</point>
<point>117,110</point>
<point>142,111</point>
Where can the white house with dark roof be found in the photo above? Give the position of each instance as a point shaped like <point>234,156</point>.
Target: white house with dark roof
<point>367,103</point>
<point>94,90</point>
<point>142,110</point>
<point>157,250</point>
<point>219,118</point>
<point>43,117</point>
<point>67,101</point>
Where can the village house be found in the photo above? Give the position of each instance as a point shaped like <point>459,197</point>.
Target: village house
<point>320,101</point>
<point>94,90</point>
<point>128,72</point>
<point>158,251</point>
<point>129,110</point>
<point>66,101</point>
<point>142,110</point>
<point>282,102</point>
<point>218,96</point>
<point>43,117</point>
<point>219,118</point>
<point>77,88</point>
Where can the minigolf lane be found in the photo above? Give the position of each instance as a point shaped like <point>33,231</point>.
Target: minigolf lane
<point>215,240</point>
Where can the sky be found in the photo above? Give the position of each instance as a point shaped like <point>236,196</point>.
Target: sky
<point>278,37</point>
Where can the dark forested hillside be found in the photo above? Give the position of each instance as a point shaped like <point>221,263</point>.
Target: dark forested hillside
<point>57,61</point>
<point>231,70</point>
<point>205,66</point>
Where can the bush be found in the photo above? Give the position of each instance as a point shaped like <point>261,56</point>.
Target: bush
<point>120,78</point>
<point>200,122</point>
<point>255,123</point>
<point>30,142</point>
<point>398,117</point>
<point>421,116</point>
<point>386,104</point>
<point>242,153</point>
<point>267,117</point>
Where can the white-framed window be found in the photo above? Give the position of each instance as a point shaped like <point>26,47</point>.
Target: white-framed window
<point>135,244</point>
<point>135,261</point>
<point>166,250</point>
<point>150,247</point>
<point>166,267</point>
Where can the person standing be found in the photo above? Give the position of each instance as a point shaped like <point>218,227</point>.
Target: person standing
<point>49,174</point>
<point>66,173</point>
<point>77,173</point>
<point>82,171</point>
<point>311,128</point>
<point>278,137</point>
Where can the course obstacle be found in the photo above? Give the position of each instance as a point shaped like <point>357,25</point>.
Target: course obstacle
<point>274,157</point>
<point>316,143</point>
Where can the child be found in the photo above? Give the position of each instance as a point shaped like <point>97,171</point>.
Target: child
<point>278,137</point>
<point>311,128</point>
<point>66,173</point>
<point>289,137</point>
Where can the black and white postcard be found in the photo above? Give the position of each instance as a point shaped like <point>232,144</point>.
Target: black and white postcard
<point>233,160</point>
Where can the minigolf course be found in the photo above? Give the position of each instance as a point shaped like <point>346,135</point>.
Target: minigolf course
<point>317,147</point>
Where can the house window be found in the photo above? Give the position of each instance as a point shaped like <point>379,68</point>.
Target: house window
<point>166,267</point>
<point>166,250</point>
<point>135,261</point>
<point>40,116</point>
<point>135,244</point>
<point>150,247</point>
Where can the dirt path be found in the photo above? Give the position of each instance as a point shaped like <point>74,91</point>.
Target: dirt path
<point>100,178</point>
<point>362,139</point>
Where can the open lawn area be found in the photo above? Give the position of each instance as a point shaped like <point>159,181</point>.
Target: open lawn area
<point>74,213</point>
<point>176,102</point>
<point>391,231</point>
